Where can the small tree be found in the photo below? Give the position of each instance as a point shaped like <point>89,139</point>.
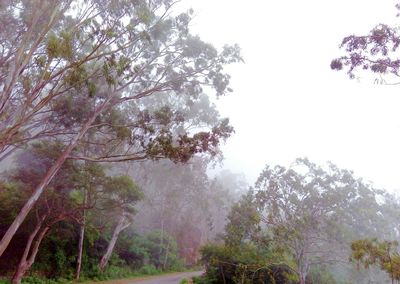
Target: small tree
<point>123,194</point>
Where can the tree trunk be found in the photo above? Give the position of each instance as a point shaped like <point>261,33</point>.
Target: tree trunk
<point>81,238</point>
<point>46,180</point>
<point>80,251</point>
<point>303,271</point>
<point>302,279</point>
<point>123,223</point>
<point>166,256</point>
<point>26,262</point>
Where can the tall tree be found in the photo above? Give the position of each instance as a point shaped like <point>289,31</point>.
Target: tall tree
<point>115,52</point>
<point>300,206</point>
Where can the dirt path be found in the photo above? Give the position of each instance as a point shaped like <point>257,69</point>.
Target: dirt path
<point>173,278</point>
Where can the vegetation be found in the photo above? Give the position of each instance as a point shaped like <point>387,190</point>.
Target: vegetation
<point>91,88</point>
<point>84,82</point>
<point>297,225</point>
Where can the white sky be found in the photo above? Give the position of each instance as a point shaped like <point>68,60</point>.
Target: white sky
<point>287,103</point>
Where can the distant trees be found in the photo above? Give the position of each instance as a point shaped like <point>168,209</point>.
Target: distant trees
<point>315,212</point>
<point>71,68</point>
<point>302,221</point>
<point>182,201</point>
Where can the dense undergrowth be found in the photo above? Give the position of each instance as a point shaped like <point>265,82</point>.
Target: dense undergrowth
<point>151,254</point>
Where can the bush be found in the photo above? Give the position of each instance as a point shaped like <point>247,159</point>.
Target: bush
<point>154,248</point>
<point>242,264</point>
<point>320,275</point>
<point>201,280</point>
<point>116,272</point>
<point>149,270</point>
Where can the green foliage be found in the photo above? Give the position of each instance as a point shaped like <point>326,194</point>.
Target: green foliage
<point>60,46</point>
<point>243,221</point>
<point>244,264</point>
<point>302,206</point>
<point>320,275</point>
<point>149,270</point>
<point>116,272</point>
<point>153,250</point>
<point>201,280</point>
<point>374,252</point>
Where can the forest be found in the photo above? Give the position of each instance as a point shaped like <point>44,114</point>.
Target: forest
<point>110,141</point>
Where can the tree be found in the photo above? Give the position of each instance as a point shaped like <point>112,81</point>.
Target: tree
<point>116,53</point>
<point>375,52</point>
<point>183,201</point>
<point>243,221</point>
<point>374,252</point>
<point>52,208</point>
<point>124,193</point>
<point>300,205</point>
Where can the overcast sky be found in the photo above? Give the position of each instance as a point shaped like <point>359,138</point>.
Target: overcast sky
<point>287,103</point>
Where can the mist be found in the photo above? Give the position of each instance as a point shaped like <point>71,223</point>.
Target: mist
<point>199,142</point>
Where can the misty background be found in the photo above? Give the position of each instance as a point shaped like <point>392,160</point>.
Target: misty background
<point>287,103</point>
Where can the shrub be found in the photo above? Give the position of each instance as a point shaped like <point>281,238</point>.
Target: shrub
<point>243,264</point>
<point>149,270</point>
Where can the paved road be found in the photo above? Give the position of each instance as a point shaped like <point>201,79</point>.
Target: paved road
<point>167,279</point>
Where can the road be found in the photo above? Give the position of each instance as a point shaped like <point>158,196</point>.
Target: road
<point>173,278</point>
<point>168,279</point>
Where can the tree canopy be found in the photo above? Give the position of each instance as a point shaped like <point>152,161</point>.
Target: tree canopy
<point>79,72</point>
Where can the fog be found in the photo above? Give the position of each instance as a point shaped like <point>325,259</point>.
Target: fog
<point>247,143</point>
<point>287,101</point>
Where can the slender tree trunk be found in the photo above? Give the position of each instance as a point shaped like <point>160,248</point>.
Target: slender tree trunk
<point>48,177</point>
<point>26,262</point>
<point>81,238</point>
<point>166,256</point>
<point>302,279</point>
<point>80,251</point>
<point>123,223</point>
<point>303,271</point>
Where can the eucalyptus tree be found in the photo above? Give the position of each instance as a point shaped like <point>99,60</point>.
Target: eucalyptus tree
<point>63,201</point>
<point>302,206</point>
<point>122,194</point>
<point>115,53</point>
<point>59,204</point>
